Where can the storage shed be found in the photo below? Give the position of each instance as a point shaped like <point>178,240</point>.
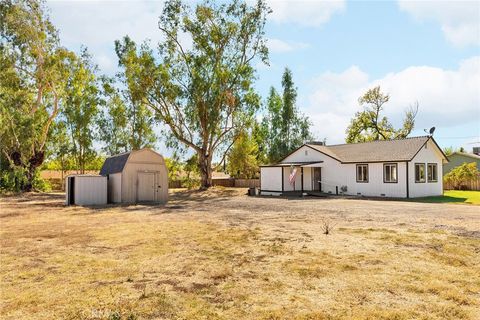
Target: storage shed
<point>85,189</point>
<point>136,176</point>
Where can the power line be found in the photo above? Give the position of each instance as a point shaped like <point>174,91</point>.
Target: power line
<point>457,137</point>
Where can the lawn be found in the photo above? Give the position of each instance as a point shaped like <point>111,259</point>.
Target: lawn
<point>223,255</point>
<point>453,196</point>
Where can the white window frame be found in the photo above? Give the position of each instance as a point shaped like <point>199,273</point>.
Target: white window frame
<point>424,178</point>
<point>365,177</point>
<point>390,166</point>
<point>434,172</point>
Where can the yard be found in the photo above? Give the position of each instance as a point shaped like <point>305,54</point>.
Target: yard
<point>223,255</point>
<point>454,196</point>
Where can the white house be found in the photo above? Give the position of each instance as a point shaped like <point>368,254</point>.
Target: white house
<point>404,168</point>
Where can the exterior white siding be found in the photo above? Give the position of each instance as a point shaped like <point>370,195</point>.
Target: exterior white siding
<point>332,171</point>
<point>89,190</point>
<point>428,154</point>
<point>335,174</point>
<point>144,161</point>
<point>271,180</point>
<point>115,187</point>
<point>375,187</point>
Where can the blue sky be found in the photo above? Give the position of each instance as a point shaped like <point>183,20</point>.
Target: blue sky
<point>416,51</point>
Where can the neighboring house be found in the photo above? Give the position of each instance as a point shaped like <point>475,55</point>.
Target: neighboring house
<point>404,168</point>
<point>136,176</point>
<point>458,158</point>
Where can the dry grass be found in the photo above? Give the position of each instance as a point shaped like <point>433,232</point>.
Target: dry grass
<point>221,255</point>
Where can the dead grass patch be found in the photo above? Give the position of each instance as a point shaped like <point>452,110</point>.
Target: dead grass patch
<point>244,258</point>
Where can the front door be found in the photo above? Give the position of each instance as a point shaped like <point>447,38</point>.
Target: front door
<point>317,177</point>
<point>146,186</point>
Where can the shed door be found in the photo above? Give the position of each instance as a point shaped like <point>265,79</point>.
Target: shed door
<point>146,186</point>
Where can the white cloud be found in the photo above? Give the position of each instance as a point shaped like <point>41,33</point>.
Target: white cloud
<point>280,46</point>
<point>446,98</point>
<point>460,20</point>
<point>304,12</point>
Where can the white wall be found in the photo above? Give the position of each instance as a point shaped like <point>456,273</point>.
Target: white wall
<point>90,190</point>
<point>335,174</point>
<point>331,169</point>
<point>375,186</point>
<point>428,154</point>
<point>115,187</point>
<point>271,179</point>
<point>143,160</point>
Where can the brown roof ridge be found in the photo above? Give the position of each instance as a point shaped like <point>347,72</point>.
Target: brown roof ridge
<point>374,141</point>
<point>471,155</point>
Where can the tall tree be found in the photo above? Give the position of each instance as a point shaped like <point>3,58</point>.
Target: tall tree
<point>34,69</point>
<point>202,91</point>
<point>369,125</point>
<point>124,124</point>
<point>285,127</point>
<point>242,158</point>
<point>81,109</point>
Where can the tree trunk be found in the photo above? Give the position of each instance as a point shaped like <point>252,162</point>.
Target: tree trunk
<point>205,166</point>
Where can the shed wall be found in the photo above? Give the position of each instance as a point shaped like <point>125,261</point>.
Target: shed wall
<point>144,161</point>
<point>115,187</point>
<point>90,190</point>
<point>456,160</point>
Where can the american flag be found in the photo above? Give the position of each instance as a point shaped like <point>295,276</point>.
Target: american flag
<point>293,174</point>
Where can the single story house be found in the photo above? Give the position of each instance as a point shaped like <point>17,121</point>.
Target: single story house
<point>403,168</point>
<point>136,176</point>
<point>458,158</point>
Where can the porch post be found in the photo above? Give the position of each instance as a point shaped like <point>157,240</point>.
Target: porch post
<point>283,188</point>
<point>301,179</point>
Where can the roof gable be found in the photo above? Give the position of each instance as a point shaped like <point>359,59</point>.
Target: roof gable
<point>114,164</point>
<point>374,151</point>
<point>463,154</point>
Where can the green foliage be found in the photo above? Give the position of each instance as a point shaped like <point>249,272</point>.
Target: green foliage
<point>174,167</point>
<point>34,71</point>
<point>81,109</point>
<point>242,158</point>
<point>462,174</point>
<point>284,128</point>
<point>369,125</point>
<point>15,179</point>
<point>203,94</point>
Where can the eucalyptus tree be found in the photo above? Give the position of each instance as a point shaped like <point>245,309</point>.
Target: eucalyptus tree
<point>124,124</point>
<point>82,99</point>
<point>370,125</point>
<point>285,126</point>
<point>199,81</point>
<point>34,69</point>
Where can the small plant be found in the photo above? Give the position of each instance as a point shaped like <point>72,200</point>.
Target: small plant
<point>327,226</point>
<point>343,189</point>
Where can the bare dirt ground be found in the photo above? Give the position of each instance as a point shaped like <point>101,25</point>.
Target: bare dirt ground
<point>223,255</point>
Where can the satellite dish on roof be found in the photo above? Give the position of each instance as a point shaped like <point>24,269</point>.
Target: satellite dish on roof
<point>431,131</point>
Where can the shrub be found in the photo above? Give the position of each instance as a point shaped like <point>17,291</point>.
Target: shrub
<point>461,175</point>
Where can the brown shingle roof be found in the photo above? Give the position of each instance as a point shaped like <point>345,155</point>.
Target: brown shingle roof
<point>381,151</point>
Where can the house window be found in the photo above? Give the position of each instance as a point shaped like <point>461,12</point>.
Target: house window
<point>362,172</point>
<point>390,173</point>
<point>419,172</point>
<point>306,152</point>
<point>432,172</point>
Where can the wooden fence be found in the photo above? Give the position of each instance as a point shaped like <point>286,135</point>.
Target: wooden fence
<point>472,185</point>
<point>230,183</point>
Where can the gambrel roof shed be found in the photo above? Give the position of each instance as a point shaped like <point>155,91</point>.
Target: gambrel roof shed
<point>136,176</point>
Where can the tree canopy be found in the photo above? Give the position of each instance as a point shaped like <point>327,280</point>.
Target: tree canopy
<point>370,125</point>
<point>34,71</point>
<point>284,127</point>
<point>200,88</point>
